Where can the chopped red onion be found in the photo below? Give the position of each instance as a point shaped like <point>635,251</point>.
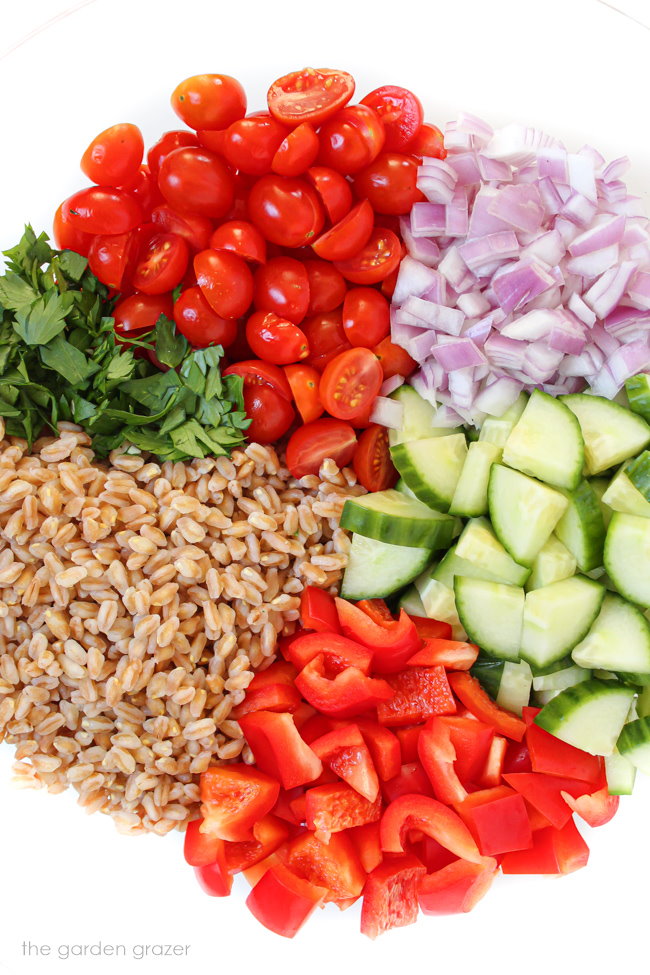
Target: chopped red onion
<point>519,283</point>
<point>603,234</point>
<point>594,263</point>
<point>497,395</point>
<point>580,310</point>
<point>473,304</point>
<point>390,385</point>
<point>605,293</point>
<point>484,250</point>
<point>492,169</point>
<point>435,190</point>
<point>414,278</point>
<point>387,412</point>
<point>459,354</point>
<point>639,289</point>
<point>616,169</point>
<point>532,326</point>
<point>579,210</point>
<point>467,170</point>
<point>448,320</point>
<point>519,206</point>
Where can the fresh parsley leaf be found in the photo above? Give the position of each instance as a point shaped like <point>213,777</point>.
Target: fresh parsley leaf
<point>42,320</point>
<point>15,292</point>
<point>171,346</point>
<point>68,361</point>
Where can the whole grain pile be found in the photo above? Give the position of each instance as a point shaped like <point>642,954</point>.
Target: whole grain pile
<point>136,600</point>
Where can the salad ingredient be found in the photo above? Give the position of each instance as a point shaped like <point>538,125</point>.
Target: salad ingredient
<point>390,183</point>
<point>102,210</point>
<point>366,317</point>
<point>161,264</point>
<point>376,261</point>
<point>390,516</point>
<point>372,462</point>
<point>198,322</point>
<point>348,236</point>
<point>113,157</point>
<point>310,445</point>
<point>275,339</point>
<point>310,95</point>
<point>351,139</point>
<point>282,286</point>
<point>194,179</point>
<point>226,282</point>
<point>326,287</point>
<point>240,237</point>
<point>376,569</point>
<point>267,399</point>
<point>350,383</point>
<point>304,381</point>
<point>589,715</point>
<point>333,189</point>
<point>235,797</point>
<point>400,111</point>
<point>209,101</point>
<point>286,210</point>
<point>297,152</point>
<point>250,144</point>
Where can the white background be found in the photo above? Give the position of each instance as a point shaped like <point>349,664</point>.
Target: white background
<point>577,68</point>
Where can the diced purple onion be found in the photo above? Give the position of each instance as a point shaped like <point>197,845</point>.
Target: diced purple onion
<point>387,412</point>
<point>390,385</point>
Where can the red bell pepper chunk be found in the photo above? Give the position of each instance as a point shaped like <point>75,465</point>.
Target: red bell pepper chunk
<point>280,672</point>
<point>317,726</point>
<point>517,757</point>
<point>283,901</point>
<point>278,748</point>
<point>334,865</point>
<point>419,693</point>
<point>377,610</point>
<point>555,757</point>
<point>214,877</point>
<point>270,833</point>
<point>554,851</point>
<point>200,848</point>
<point>302,714</point>
<point>408,742</point>
<point>438,756</point>
<point>340,651</point>
<point>271,697</point>
<point>298,807</point>
<point>452,654</point>
<point>545,793</point>
<point>410,779</point>
<point>498,823</point>
<point>392,642</point>
<point>472,740</point>
<point>432,818</point>
<point>390,897</point>
<point>456,888</point>
<point>572,851</point>
<point>367,844</point>
<point>432,629</point>
<point>433,855</point>
<point>257,871</point>
<point>470,692</point>
<point>318,610</point>
<point>596,808</point>
<point>286,642</point>
<point>537,820</point>
<point>284,808</point>
<point>235,797</point>
<point>347,754</point>
<point>340,693</point>
<point>493,769</point>
<point>333,808</point>
<point>383,745</point>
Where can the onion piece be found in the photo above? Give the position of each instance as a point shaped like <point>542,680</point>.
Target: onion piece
<point>390,385</point>
<point>387,412</point>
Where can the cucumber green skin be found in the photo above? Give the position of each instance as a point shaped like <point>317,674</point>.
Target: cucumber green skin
<point>620,628</point>
<point>558,415</point>
<point>617,553</point>
<point>639,473</point>
<point>560,664</point>
<point>638,394</point>
<point>476,634</point>
<point>554,715</point>
<point>367,577</point>
<point>471,495</point>
<point>407,466</point>
<point>634,743</point>
<point>584,508</point>
<point>488,672</point>
<point>416,533</point>
<point>576,403</point>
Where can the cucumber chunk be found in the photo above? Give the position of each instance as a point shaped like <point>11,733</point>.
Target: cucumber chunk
<point>553,563</point>
<point>611,433</point>
<point>582,527</point>
<point>515,686</point>
<point>479,545</point>
<point>557,617</point>
<point>492,613</point>
<point>432,467</point>
<point>403,488</point>
<point>489,672</point>
<point>621,495</point>
<point>546,443</point>
<point>411,603</point>
<point>390,516</point>
<point>418,418</point>
<point>495,431</point>
<point>452,565</point>
<point>439,603</point>
<point>589,716</point>
<point>561,679</point>
<point>619,639</point>
<point>627,557</point>
<point>620,773</point>
<point>634,743</point>
<point>471,495</point>
<point>638,394</point>
<point>600,485</point>
<point>638,472</point>
<point>523,511</point>
<point>376,569</point>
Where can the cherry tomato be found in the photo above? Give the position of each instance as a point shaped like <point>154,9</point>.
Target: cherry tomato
<point>209,101</point>
<point>333,189</point>
<point>139,313</point>
<point>287,211</point>
<point>400,111</point>
<point>275,339</point>
<point>393,359</point>
<point>242,238</point>
<point>109,257</point>
<point>282,286</point>
<point>326,286</point>
<point>304,381</point>
<point>194,230</point>
<point>199,324</point>
<point>366,317</point>
<point>320,440</point>
<point>267,399</point>
<point>388,284</point>
<point>67,237</point>
<point>372,464</point>
<point>213,139</point>
<point>194,179</point>
<point>389,183</point>
<point>251,143</point>
<point>350,383</point>
<point>114,156</point>
<point>348,236</point>
<point>144,189</point>
<point>176,139</point>
<point>161,264</point>
<point>351,139</point>
<point>297,152</point>
<point>310,95</point>
<point>428,141</point>
<point>325,337</point>
<point>374,262</point>
<point>102,210</point>
<point>226,282</point>
<point>257,372</point>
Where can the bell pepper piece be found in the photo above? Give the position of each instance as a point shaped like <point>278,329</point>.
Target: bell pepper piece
<point>411,779</point>
<point>493,769</point>
<point>596,808</point>
<point>432,629</point>
<point>408,742</point>
<point>383,745</point>
<point>339,650</point>
<point>271,697</point>
<point>545,793</point>
<point>318,610</point>
<point>317,726</point>
<point>214,877</point>
<point>302,714</point>
<point>571,849</point>
<point>367,844</point>
<point>283,901</point>
<point>472,741</point>
<point>554,851</point>
<point>278,748</point>
<point>392,642</point>
<point>283,807</point>
<point>452,654</point>
<point>280,672</point>
<point>517,757</point>
<point>555,757</point>
<point>432,854</point>
<point>340,693</point>
<point>470,692</point>
<point>456,888</point>
<point>270,833</point>
<point>334,865</point>
<point>432,818</point>
<point>200,848</point>
<point>333,808</point>
<point>377,610</point>
<point>498,822</point>
<point>390,897</point>
<point>438,757</point>
<point>234,798</point>
<point>419,693</point>
<point>346,753</point>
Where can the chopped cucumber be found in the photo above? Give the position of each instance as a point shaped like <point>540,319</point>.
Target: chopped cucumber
<point>582,527</point>
<point>471,494</point>
<point>492,614</point>
<point>432,467</point>
<point>638,472</point>
<point>557,617</point>
<point>621,495</point>
<point>600,486</point>
<point>543,697</point>
<point>376,569</point>
<point>417,420</point>
<point>452,565</point>
<point>391,517</point>
<point>524,512</point>
<point>495,431</point>
<point>546,443</point>
<point>440,604</point>
<point>643,702</point>
<point>634,743</point>
<point>561,679</point>
<point>489,673</point>
<point>611,433</point>
<point>627,557</point>
<point>589,716</point>
<point>479,545</point>
<point>403,488</point>
<point>618,640</point>
<point>552,563</point>
<point>411,603</point>
<point>515,686</point>
<point>638,394</point>
<point>621,773</point>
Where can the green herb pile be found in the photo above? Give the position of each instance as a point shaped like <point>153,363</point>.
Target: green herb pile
<point>59,360</point>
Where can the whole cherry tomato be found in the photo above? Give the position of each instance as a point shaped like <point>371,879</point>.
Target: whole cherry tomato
<point>350,383</point>
<point>226,282</point>
<point>366,317</point>
<point>109,257</point>
<point>251,143</point>
<point>374,262</point>
<point>242,238</point>
<point>275,339</point>
<point>348,236</point>
<point>267,399</point>
<point>351,139</point>
<point>393,359</point>
<point>114,156</point>
<point>325,337</point>
<point>194,229</point>
<point>400,111</point>
<point>327,286</point>
<point>310,95</point>
<point>102,210</point>
<point>67,237</point>
<point>139,313</point>
<point>213,139</point>
<point>304,381</point>
<point>389,183</point>
<point>176,139</point>
<point>296,152</point>
<point>209,101</point>
<point>372,463</point>
<point>287,211</point>
<point>282,286</point>
<point>333,189</point>
<point>197,180</point>
<point>428,141</point>
<point>200,325</point>
<point>144,189</point>
<point>161,264</point>
<point>318,441</point>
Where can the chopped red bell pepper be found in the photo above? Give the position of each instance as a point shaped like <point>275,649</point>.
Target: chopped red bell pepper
<point>555,757</point>
<point>283,807</point>
<point>367,844</point>
<point>383,745</point>
<point>377,610</point>
<point>545,793</point>
<point>318,610</point>
<point>332,808</point>
<point>408,742</point>
<point>517,757</point>
<point>235,797</point>
<point>214,877</point>
<point>334,865</point>
<point>493,769</point>
<point>432,629</point>
<point>340,693</point>
<point>317,726</point>
<point>282,901</point>
<point>433,854</point>
<point>392,642</point>
<point>419,693</point>
<point>572,851</point>
<point>438,757</point>
<point>410,779</point>
<point>554,851</point>
<point>346,753</point>
<point>596,808</point>
<point>200,848</point>
<point>497,819</point>
<point>468,689</point>
<point>257,871</point>
<point>271,697</point>
<point>339,651</point>
<point>452,654</point>
<point>302,714</point>
<point>456,888</point>
<point>298,807</point>
<point>432,818</point>
<point>286,642</point>
<point>472,740</point>
<point>390,897</point>
<point>278,748</point>
<point>280,672</point>
<point>270,833</point>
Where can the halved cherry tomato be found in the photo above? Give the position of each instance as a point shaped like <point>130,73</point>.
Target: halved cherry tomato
<point>286,210</point>
<point>102,210</point>
<point>351,139</point>
<point>226,282</point>
<point>251,143</point>
<point>267,399</point>
<point>366,317</point>
<point>109,256</point>
<point>393,359</point>
<point>258,373</point>
<point>67,237</point>
<point>348,236</point>
<point>315,442</point>
<point>144,190</point>
<point>327,286</point>
<point>428,141</point>
<point>310,95</point>
<point>304,381</point>
<point>242,238</point>
<point>389,183</point>
<point>194,229</point>
<point>169,141</point>
<point>296,152</point>
<point>275,339</point>
<point>139,313</point>
<point>326,337</point>
<point>350,383</point>
<point>197,180</point>
<point>372,463</point>
<point>199,323</point>
<point>375,261</point>
<point>114,156</point>
<point>161,265</point>
<point>282,286</point>
<point>400,111</point>
<point>209,101</point>
<point>334,190</point>
<point>234,798</point>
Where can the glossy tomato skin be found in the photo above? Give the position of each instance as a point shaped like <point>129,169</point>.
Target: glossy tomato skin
<point>212,139</point>
<point>366,317</point>
<point>139,313</point>
<point>195,180</point>
<point>144,190</point>
<point>428,141</point>
<point>375,261</point>
<point>176,139</point>
<point>209,101</point>
<point>286,210</point>
<point>333,189</point>
<point>315,442</point>
<point>67,237</point>
<point>114,156</point>
<point>304,381</point>
<point>393,359</point>
<point>275,339</point>
<point>350,383</point>
<point>296,152</point>
<point>372,463</point>
<point>348,236</point>
<point>161,264</point>
<point>226,282</point>
<point>242,238</point>
<point>102,210</point>
<point>327,286</point>
<point>251,143</point>
<point>257,372</point>
<point>325,336</point>
<point>109,257</point>
<point>282,286</point>
<point>401,112</point>
<point>351,139</point>
<point>267,399</point>
<point>199,323</point>
<point>310,95</point>
<point>194,229</point>
<point>389,183</point>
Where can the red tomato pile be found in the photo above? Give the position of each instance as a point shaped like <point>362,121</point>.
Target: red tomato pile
<point>384,771</point>
<point>274,234</point>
